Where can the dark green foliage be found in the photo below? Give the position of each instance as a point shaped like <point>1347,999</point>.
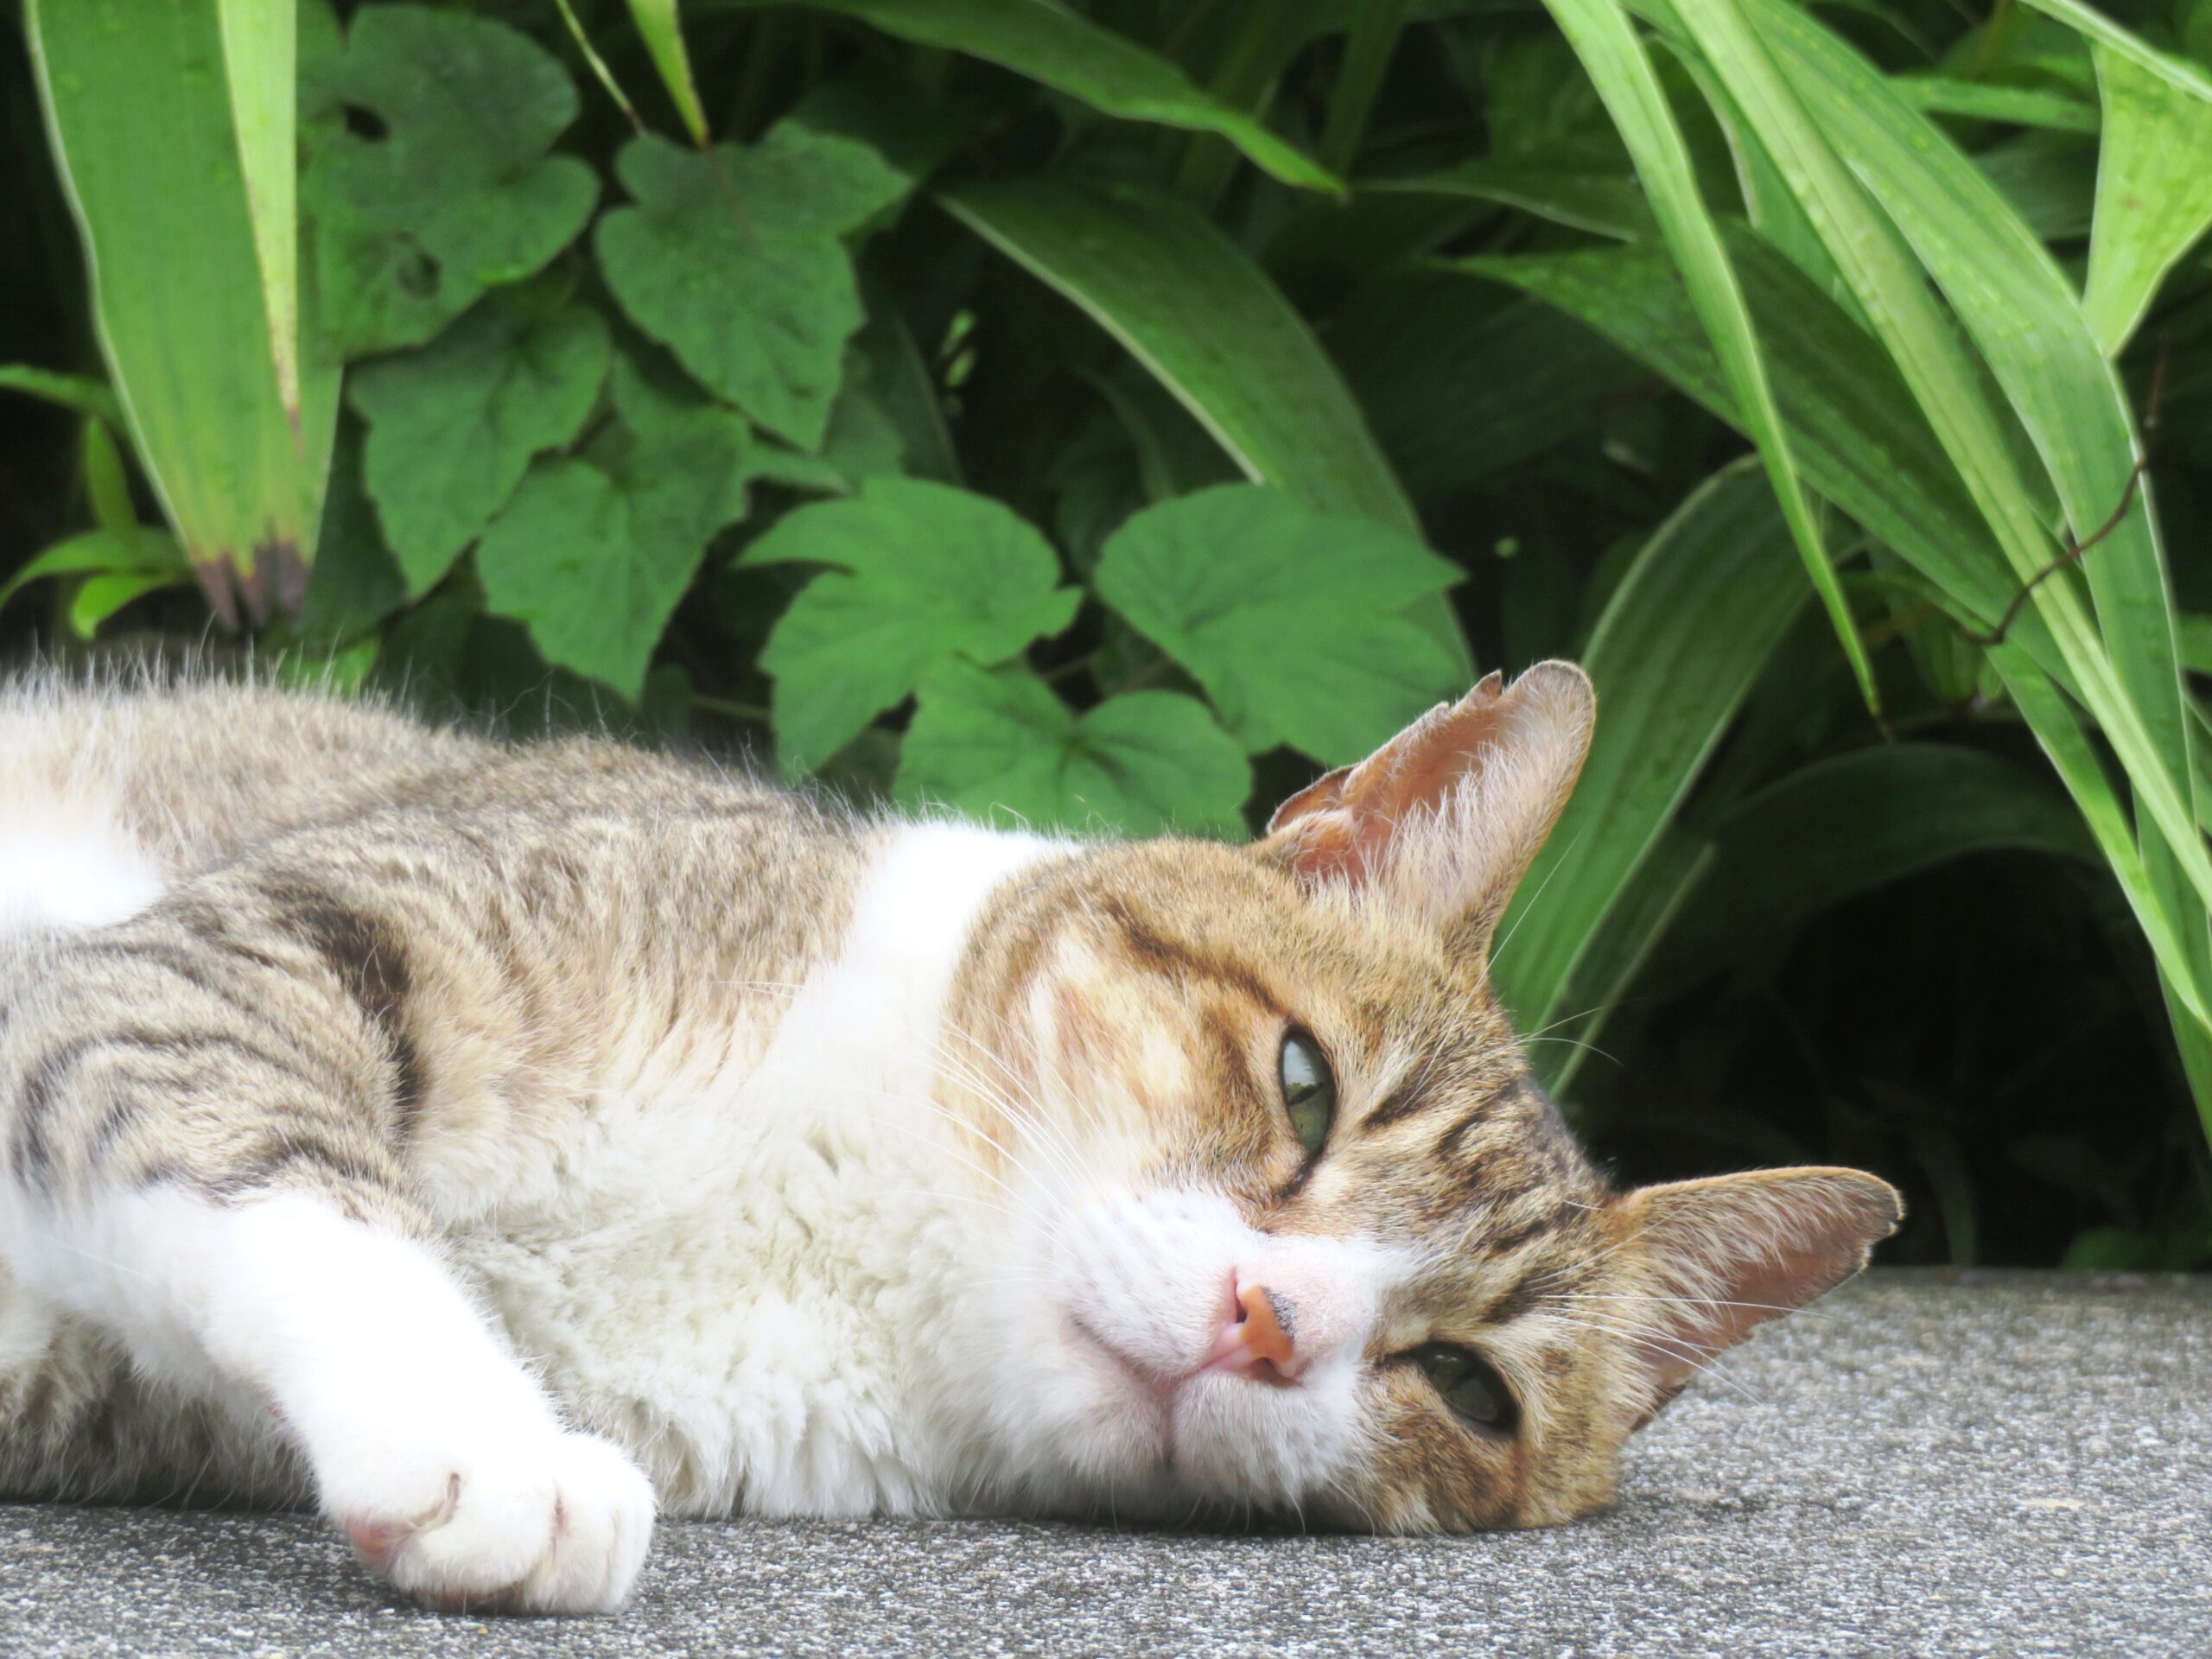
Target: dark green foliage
<point>1107,416</point>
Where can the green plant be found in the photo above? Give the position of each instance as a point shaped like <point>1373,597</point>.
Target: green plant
<point>1104,416</point>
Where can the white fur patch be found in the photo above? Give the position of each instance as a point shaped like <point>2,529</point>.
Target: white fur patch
<point>440,1457</point>
<point>736,1266</point>
<point>66,864</point>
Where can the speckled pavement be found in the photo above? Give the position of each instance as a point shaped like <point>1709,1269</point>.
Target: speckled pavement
<point>1931,1464</point>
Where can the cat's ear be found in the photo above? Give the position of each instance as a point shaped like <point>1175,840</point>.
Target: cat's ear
<point>1700,1263</point>
<point>1445,817</point>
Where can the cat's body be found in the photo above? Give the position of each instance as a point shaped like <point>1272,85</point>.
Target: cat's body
<point>387,1114</point>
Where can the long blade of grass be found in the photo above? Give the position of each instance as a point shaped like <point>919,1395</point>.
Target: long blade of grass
<point>1195,310</point>
<point>2020,310</point>
<point>2154,191</point>
<point>1070,53</point>
<point>1677,650</point>
<point>1606,40</point>
<point>260,67</point>
<point>1862,441</point>
<point>1886,278</point>
<point>139,107</point>
<point>1644,915</point>
<point>662,30</point>
<point>80,392</point>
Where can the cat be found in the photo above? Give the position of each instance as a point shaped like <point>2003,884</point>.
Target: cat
<point>496,1145</point>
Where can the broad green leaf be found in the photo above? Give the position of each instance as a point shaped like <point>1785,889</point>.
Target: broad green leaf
<point>1581,197</point>
<point>2154,191</point>
<point>1292,621</point>
<point>593,552</point>
<point>459,194</point>
<point>1677,650</point>
<point>144,551</point>
<point>919,572</point>
<point>734,260</point>
<point>139,103</point>
<point>1046,42</point>
<point>989,741</point>
<point>453,427</point>
<point>78,391</point>
<point>662,30</point>
<point>1208,325</point>
<point>2025,106</point>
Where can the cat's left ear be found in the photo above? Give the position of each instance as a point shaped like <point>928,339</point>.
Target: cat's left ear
<point>1698,1264</point>
<point>1443,818</point>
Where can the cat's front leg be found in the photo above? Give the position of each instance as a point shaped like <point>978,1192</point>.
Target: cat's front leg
<point>199,1159</point>
<point>438,1456</point>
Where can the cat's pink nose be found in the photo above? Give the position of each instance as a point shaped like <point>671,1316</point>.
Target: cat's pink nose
<point>1259,1338</point>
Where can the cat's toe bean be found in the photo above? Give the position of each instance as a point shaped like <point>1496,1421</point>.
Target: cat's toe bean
<point>559,1525</point>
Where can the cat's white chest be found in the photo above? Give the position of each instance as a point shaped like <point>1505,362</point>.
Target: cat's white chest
<point>741,1271</point>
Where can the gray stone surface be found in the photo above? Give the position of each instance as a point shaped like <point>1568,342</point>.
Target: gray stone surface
<point>1926,1464</point>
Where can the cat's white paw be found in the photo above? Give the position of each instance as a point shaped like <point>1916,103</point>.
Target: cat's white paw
<point>541,1523</point>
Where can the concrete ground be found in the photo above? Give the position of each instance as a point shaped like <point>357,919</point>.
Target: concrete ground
<point>1928,1464</point>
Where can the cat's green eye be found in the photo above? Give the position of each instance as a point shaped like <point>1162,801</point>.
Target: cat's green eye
<point>1470,1385</point>
<point>1309,1089</point>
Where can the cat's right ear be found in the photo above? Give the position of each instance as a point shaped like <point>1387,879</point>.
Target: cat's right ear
<point>1443,818</point>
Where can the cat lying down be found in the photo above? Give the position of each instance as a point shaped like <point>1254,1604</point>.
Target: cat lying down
<point>495,1145</point>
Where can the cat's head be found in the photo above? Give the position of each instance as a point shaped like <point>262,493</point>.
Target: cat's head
<point>1285,1222</point>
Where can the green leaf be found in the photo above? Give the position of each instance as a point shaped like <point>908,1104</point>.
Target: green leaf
<point>261,68</point>
<point>146,551</point>
<point>101,596</point>
<point>2154,191</point>
<point>1139,763</point>
<point>1046,42</point>
<point>1194,309</point>
<point>1861,440</point>
<point>2020,308</point>
<point>2026,106</point>
<point>1620,947</point>
<point>593,552</point>
<point>78,391</point>
<point>1582,198</point>
<point>453,427</point>
<point>1677,650</point>
<point>663,33</point>
<point>1292,619</point>
<point>460,194</point>
<point>143,116</point>
<point>733,260</point>
<point>1461,393</point>
<point>1606,40</point>
<point>919,572</point>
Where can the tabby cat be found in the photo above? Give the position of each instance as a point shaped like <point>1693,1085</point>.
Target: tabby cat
<point>494,1145</point>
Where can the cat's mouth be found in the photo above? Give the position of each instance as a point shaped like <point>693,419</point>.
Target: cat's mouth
<point>1157,1392</point>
